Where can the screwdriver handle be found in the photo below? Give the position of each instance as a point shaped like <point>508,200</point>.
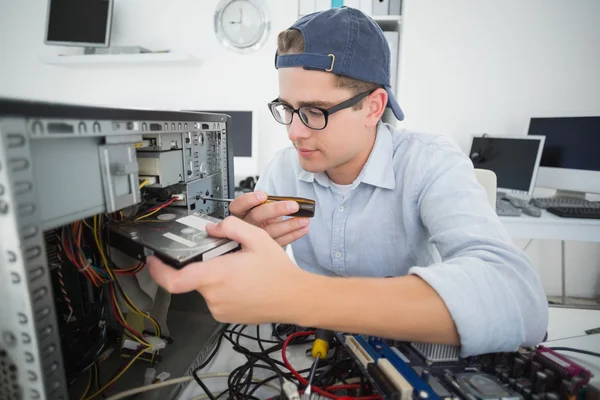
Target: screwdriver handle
<point>307,206</point>
<point>321,344</point>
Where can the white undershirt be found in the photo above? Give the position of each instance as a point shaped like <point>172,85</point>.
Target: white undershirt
<point>340,190</point>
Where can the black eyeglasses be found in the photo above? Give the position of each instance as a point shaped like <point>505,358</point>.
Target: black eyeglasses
<point>313,117</point>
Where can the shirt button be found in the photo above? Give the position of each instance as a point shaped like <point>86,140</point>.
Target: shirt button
<point>341,208</point>
<point>338,254</point>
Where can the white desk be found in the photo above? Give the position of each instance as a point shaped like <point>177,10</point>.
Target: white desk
<point>564,323</point>
<point>550,226</point>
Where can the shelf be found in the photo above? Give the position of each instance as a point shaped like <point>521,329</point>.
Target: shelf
<point>121,60</point>
<point>388,22</point>
<point>390,18</point>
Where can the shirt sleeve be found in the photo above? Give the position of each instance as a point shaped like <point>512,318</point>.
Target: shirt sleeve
<point>487,283</point>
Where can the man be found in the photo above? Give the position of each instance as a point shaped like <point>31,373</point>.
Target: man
<point>390,204</point>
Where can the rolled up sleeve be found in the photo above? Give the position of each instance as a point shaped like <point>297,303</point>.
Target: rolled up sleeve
<point>489,286</point>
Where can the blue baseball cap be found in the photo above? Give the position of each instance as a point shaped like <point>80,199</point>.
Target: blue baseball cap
<point>346,42</point>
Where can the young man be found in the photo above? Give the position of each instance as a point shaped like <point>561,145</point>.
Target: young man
<point>390,204</point>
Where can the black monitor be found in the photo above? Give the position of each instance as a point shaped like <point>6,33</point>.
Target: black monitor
<point>241,131</point>
<point>79,22</point>
<point>571,157</point>
<point>514,160</point>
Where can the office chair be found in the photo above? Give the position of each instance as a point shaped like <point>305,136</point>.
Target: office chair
<point>488,180</point>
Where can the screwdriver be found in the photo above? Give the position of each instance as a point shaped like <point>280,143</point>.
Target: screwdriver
<point>306,210</point>
<point>319,351</point>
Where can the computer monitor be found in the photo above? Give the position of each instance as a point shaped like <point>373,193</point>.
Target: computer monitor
<point>241,131</point>
<point>514,160</point>
<point>79,23</point>
<point>571,157</point>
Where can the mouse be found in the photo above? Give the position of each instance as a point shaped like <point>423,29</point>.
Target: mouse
<point>532,210</point>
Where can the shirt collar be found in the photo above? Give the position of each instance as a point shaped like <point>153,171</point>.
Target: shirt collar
<point>377,171</point>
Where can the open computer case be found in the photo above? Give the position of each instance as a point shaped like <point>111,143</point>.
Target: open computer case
<point>70,177</point>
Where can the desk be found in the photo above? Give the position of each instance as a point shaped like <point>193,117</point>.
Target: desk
<point>549,226</point>
<point>564,323</point>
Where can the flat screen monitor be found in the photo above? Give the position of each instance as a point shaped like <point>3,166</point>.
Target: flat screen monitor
<point>571,157</point>
<point>514,160</point>
<point>241,132</point>
<point>79,23</point>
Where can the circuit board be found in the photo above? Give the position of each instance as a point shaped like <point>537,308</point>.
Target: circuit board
<point>405,371</point>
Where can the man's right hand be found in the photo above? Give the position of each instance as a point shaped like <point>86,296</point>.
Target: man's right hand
<point>251,209</point>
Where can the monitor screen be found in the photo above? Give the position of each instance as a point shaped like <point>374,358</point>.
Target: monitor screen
<point>514,160</point>
<point>241,132</point>
<point>571,142</point>
<point>79,22</point>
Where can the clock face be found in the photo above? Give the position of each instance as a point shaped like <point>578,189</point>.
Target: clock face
<point>241,24</point>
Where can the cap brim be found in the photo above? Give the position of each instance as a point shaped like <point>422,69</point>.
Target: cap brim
<point>393,104</point>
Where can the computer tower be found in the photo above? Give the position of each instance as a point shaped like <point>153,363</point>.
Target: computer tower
<point>68,174</point>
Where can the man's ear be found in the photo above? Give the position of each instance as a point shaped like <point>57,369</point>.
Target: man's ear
<point>376,103</point>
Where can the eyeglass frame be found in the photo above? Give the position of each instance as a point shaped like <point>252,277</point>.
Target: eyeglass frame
<point>326,111</point>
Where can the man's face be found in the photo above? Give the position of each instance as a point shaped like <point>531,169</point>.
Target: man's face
<point>343,138</point>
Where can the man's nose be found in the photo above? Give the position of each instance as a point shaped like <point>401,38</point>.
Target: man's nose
<point>297,130</point>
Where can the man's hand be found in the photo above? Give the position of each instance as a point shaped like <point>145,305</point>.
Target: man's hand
<point>256,285</point>
<point>249,207</point>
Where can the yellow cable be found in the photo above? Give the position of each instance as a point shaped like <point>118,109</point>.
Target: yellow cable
<point>144,183</point>
<point>115,299</point>
<point>89,385</point>
<point>118,376</point>
<point>128,301</point>
<point>149,214</point>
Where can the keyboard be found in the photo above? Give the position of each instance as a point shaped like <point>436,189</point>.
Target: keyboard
<point>505,209</point>
<point>546,202</point>
<point>576,212</point>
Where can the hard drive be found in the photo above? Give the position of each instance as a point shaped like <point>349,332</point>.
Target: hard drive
<point>171,235</point>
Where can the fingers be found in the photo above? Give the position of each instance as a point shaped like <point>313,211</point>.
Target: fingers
<point>291,237</point>
<point>174,280</point>
<point>241,205</point>
<point>278,229</point>
<point>249,236</point>
<point>269,211</point>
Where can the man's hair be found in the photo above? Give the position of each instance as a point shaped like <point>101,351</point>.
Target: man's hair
<point>291,41</point>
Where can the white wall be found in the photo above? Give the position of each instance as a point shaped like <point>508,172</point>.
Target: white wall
<point>225,80</point>
<point>481,66</point>
<point>467,67</point>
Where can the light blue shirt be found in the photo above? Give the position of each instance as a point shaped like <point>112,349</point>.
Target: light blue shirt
<point>417,208</point>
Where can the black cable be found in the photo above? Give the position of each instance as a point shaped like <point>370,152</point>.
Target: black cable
<point>259,356</point>
<point>211,356</point>
<point>238,387</point>
<point>203,386</point>
<point>253,338</point>
<point>288,376</point>
<point>589,353</point>
<point>262,348</point>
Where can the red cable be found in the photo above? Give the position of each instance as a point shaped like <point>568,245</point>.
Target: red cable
<point>343,387</point>
<point>161,205</point>
<point>113,297</point>
<point>305,382</point>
